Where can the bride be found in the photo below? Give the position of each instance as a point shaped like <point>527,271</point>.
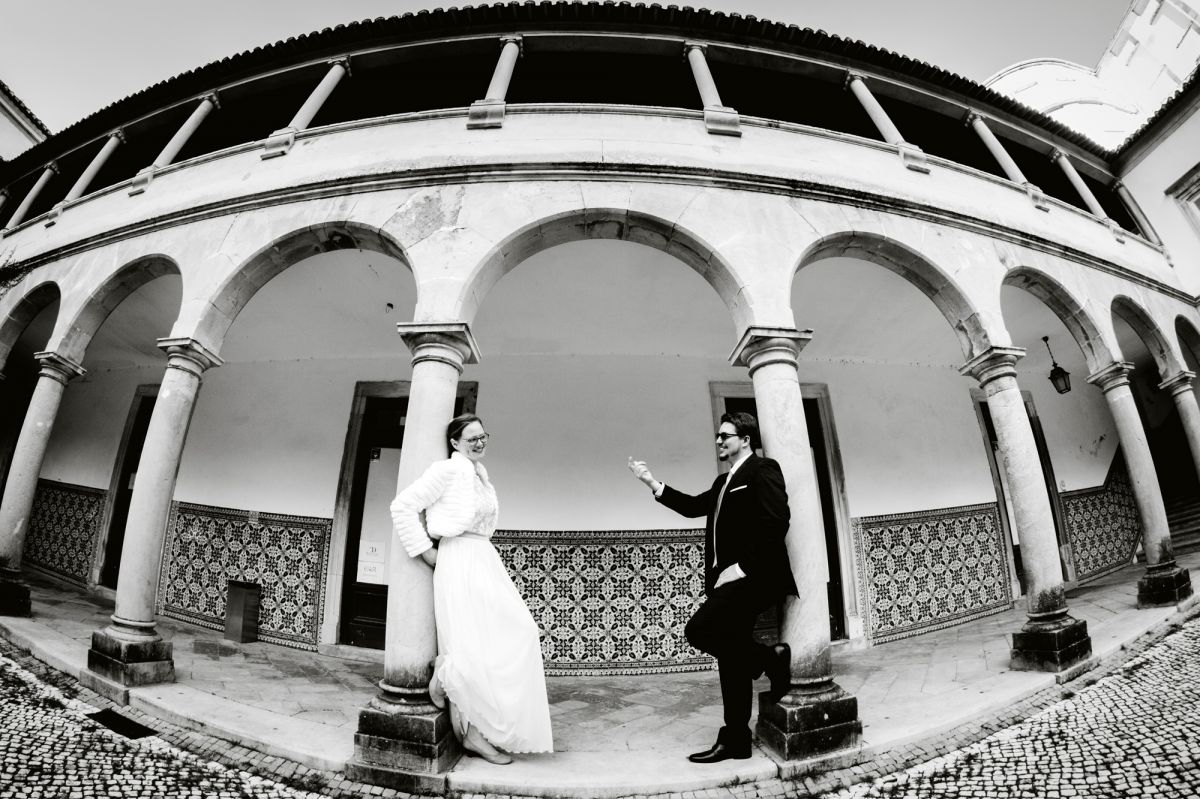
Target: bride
<point>489,661</point>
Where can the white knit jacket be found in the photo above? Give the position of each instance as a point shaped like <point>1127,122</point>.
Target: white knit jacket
<point>446,492</point>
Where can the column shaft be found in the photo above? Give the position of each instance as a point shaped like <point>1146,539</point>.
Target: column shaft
<point>303,117</point>
<point>4,197</point>
<point>502,75</point>
<point>19,215</point>
<point>21,485</point>
<point>1081,188</point>
<point>1011,170</point>
<point>1180,387</point>
<point>1135,211</point>
<point>181,137</point>
<point>887,129</point>
<point>81,185</point>
<point>703,77</point>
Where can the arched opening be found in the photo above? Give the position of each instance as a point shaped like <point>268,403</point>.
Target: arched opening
<point>77,528</point>
<point>921,524</point>
<point>1143,344</point>
<point>290,462</point>
<point>1095,517</point>
<point>23,333</point>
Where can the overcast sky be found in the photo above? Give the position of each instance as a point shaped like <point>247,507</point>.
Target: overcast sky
<point>67,59</point>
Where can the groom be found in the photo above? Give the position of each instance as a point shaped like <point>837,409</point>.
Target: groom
<point>745,571</point>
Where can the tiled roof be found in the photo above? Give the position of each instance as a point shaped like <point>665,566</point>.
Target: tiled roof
<point>32,117</point>
<point>557,16</point>
<point>1189,86</point>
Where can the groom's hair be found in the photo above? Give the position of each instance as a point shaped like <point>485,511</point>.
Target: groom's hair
<point>745,425</point>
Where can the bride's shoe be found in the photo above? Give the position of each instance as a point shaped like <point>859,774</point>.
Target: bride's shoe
<point>475,744</point>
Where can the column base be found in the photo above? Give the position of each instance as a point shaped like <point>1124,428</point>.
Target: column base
<point>1163,585</point>
<point>1050,645</point>
<point>807,723</point>
<point>486,114</point>
<point>722,121</point>
<point>14,598</point>
<point>278,143</point>
<point>407,746</point>
<point>131,661</point>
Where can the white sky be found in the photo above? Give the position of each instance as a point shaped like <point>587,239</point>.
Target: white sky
<point>67,59</point>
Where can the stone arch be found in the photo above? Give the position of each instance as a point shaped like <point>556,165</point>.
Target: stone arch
<point>231,297</point>
<point>918,270</point>
<point>73,341</point>
<point>604,223</point>
<point>1096,353</point>
<point>1150,334</point>
<point>22,312</point>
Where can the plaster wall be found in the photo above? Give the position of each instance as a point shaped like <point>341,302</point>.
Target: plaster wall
<point>1170,159</point>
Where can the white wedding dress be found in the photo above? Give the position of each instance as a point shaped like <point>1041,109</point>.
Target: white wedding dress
<point>489,661</point>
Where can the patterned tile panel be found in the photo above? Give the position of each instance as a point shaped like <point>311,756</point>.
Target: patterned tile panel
<point>63,529</point>
<point>287,555</point>
<point>930,569</point>
<point>1102,524</point>
<point>610,602</point>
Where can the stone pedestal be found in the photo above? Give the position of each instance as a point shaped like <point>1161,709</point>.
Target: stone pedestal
<point>129,657</point>
<point>1053,644</point>
<point>809,722</point>
<point>405,745</point>
<point>1163,585</point>
<point>14,595</point>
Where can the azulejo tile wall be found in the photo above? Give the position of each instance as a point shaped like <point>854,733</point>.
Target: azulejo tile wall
<point>930,569</point>
<point>610,602</point>
<point>1102,524</point>
<point>288,556</point>
<point>64,527</point>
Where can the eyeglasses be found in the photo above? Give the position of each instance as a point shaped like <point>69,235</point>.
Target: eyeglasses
<point>477,440</point>
<point>723,437</point>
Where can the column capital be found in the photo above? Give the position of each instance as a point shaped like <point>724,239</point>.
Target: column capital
<point>761,345</point>
<point>58,367</point>
<point>188,354</point>
<point>972,117</point>
<point>52,166</point>
<point>212,97</point>
<point>118,134</point>
<point>1179,382</point>
<point>340,61</point>
<point>691,44</point>
<point>449,342</point>
<point>852,76</point>
<point>514,38</point>
<point>993,363</point>
<point>1056,154</point>
<point>1115,375</point>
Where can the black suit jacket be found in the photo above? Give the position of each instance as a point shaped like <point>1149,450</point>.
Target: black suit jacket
<point>750,529</point>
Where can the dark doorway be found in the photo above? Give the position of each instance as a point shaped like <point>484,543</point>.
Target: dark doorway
<point>816,437</point>
<point>375,456</point>
<point>126,476</point>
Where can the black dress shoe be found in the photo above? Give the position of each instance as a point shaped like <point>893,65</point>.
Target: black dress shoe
<point>719,752</point>
<point>779,669</point>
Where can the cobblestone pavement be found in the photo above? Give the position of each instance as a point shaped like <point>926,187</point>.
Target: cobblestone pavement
<point>1134,732</point>
<point>1131,728</point>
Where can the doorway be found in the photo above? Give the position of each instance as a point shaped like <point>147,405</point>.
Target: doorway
<point>739,397</point>
<point>369,468</point>
<point>124,475</point>
<point>1004,495</point>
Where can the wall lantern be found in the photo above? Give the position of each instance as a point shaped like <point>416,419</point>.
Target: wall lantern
<point>1059,377</point>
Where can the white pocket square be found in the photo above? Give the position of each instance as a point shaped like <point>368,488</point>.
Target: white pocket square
<point>739,488</point>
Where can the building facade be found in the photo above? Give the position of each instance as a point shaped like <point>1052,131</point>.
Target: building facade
<point>239,307</point>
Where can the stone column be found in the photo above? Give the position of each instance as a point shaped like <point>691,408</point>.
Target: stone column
<point>1006,162</point>
<point>130,651</point>
<point>142,179</point>
<point>1164,582</point>
<point>21,486</point>
<point>403,740</point>
<point>1135,211</point>
<point>817,715</point>
<point>281,141</point>
<point>912,155</point>
<point>1051,640</point>
<point>18,216</point>
<point>115,139</point>
<point>489,112</point>
<point>1089,199</point>
<point>718,118</point>
<point>4,196</point>
<point>1180,387</point>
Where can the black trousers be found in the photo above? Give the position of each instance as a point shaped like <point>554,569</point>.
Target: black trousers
<point>724,628</point>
